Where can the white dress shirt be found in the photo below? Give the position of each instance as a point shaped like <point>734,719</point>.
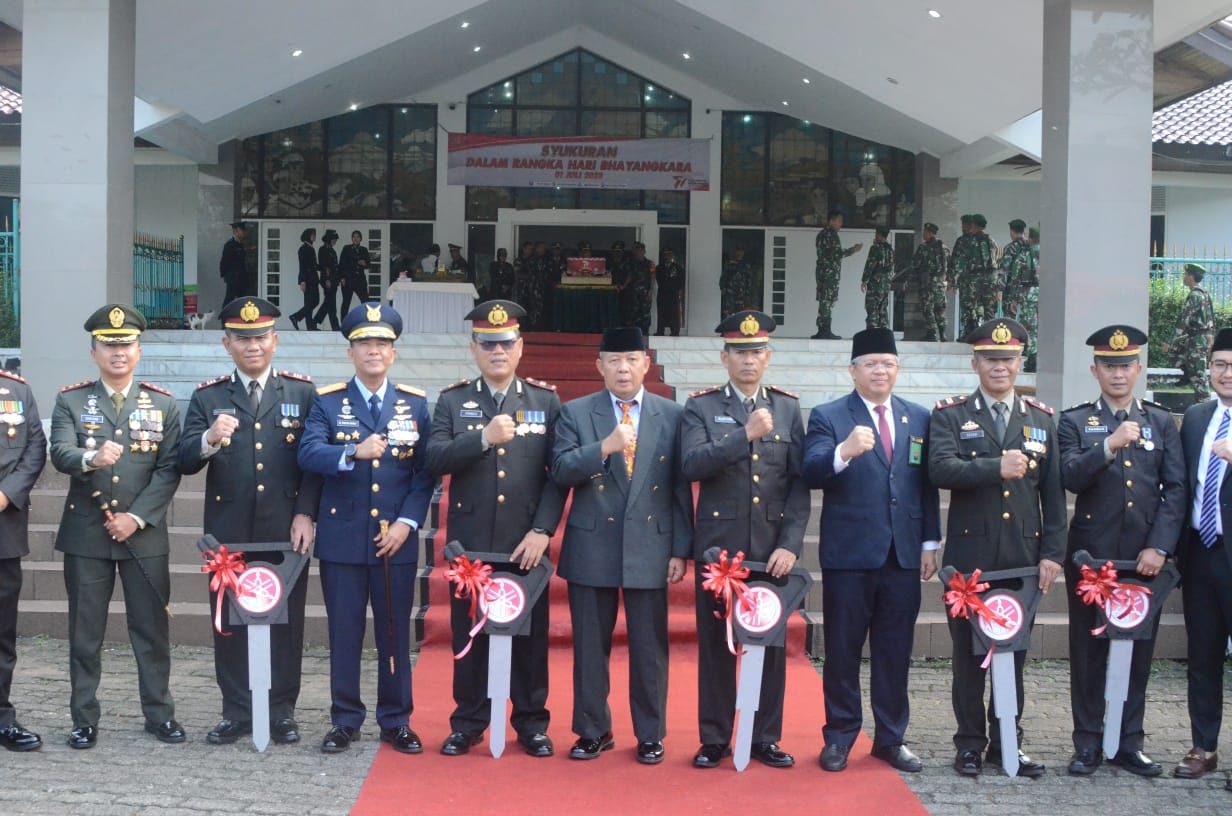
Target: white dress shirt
<point>1203,462</point>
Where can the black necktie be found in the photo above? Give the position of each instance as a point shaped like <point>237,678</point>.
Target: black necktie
<point>749,405</point>
<point>499,399</point>
<point>254,396</point>
<point>999,409</point>
<point>374,405</point>
<point>1122,415</point>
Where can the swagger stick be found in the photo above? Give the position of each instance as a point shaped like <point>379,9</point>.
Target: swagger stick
<point>389,600</point>
<point>133,555</point>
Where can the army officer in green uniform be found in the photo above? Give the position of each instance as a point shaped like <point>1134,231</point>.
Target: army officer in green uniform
<point>117,440</point>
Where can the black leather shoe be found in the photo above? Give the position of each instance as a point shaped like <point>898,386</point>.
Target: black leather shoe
<point>228,732</point>
<point>1027,768</point>
<point>339,739</point>
<point>900,758</point>
<point>591,748</point>
<point>1136,762</point>
<point>402,739</point>
<point>83,736</point>
<point>834,757</point>
<point>169,732</point>
<point>538,744</point>
<point>650,753</point>
<point>709,756</point>
<point>1084,762</point>
<point>968,763</point>
<point>284,731</point>
<point>460,742</point>
<point>16,738</point>
<point>295,322</point>
<point>817,336</point>
<point>769,753</point>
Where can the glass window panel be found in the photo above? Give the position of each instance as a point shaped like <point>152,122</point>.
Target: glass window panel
<point>667,124</point>
<point>407,244</point>
<point>552,83</point>
<point>611,123</point>
<point>295,172</point>
<point>491,121</point>
<point>499,94</point>
<point>799,173</point>
<point>743,169</point>
<point>482,202</point>
<point>610,199</point>
<point>359,163</point>
<point>608,86</point>
<point>535,122</point>
<point>656,96</point>
<point>673,205</point>
<point>249,191</point>
<point>544,198</point>
<point>902,183</point>
<point>861,188</point>
<point>414,162</point>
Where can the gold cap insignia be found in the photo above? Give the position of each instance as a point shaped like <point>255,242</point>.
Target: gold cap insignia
<point>1118,341</point>
<point>749,326</point>
<point>1001,334</point>
<point>374,312</point>
<point>498,316</point>
<point>116,317</point>
<point>250,312</point>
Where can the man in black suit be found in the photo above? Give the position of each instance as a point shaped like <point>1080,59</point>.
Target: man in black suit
<point>22,456</point>
<point>493,437</point>
<point>1205,559</point>
<point>1122,459</point>
<point>629,532</point>
<point>232,266</point>
<point>245,428</point>
<point>880,531</point>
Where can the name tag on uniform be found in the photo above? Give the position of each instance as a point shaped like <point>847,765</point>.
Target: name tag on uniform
<point>976,434</point>
<point>91,419</point>
<point>1095,428</point>
<point>218,411</point>
<point>343,422</point>
<point>916,452</point>
<point>465,414</point>
<point>725,418</point>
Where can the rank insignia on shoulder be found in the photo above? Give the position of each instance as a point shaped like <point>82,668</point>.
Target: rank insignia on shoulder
<point>215,381</point>
<point>458,384</point>
<point>1034,403</point>
<point>950,402</point>
<point>541,384</point>
<point>295,375</point>
<point>783,391</point>
<point>705,391</point>
<point>1154,405</point>
<point>157,388</point>
<point>75,386</point>
<point>331,388</point>
<point>1079,406</point>
<point>410,389</point>
<point>12,376</point>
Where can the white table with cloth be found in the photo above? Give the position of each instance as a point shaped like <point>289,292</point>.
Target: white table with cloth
<point>431,306</point>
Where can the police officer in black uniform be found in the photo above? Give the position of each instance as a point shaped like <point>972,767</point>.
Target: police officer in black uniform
<point>669,278</point>
<point>245,428</point>
<point>995,451</point>
<point>233,266</point>
<point>1122,458</point>
<point>744,443</point>
<point>23,452</point>
<point>493,436</point>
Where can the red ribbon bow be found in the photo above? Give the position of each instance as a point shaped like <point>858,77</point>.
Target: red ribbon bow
<point>726,580</point>
<point>226,567</point>
<point>1102,588</point>
<point>472,579</point>
<point>963,597</point>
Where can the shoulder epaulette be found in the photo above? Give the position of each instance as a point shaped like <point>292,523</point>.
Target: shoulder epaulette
<point>710,390</point>
<point>1080,406</point>
<point>1034,403</point>
<point>950,402</point>
<point>1156,405</point>
<point>12,376</point>
<point>215,381</point>
<point>540,384</point>
<point>458,384</point>
<point>329,389</point>
<point>75,386</point>
<point>157,388</point>
<point>410,389</point>
<point>782,391</point>
<point>295,375</point>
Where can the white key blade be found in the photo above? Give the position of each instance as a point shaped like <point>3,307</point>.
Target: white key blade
<point>748,698</point>
<point>500,663</point>
<point>259,683</point>
<point>1116,692</point>
<point>1005,700</point>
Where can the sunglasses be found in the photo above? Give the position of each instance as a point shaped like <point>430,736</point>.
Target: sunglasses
<point>489,346</point>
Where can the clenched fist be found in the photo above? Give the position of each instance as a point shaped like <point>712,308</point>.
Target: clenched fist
<point>1124,436</point>
<point>500,430</point>
<point>224,427</point>
<point>859,441</point>
<point>621,437</point>
<point>371,448</point>
<point>1013,465</point>
<point>761,422</point>
<point>108,454</point>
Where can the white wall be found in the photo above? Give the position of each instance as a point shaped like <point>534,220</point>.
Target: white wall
<point>166,200</point>
<point>1000,201</point>
<point>1198,221</point>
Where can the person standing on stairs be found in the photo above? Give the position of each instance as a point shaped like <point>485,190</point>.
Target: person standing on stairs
<point>830,255</point>
<point>327,268</point>
<point>493,438</point>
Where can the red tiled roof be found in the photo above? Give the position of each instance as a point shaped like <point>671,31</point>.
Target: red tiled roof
<point>1204,118</point>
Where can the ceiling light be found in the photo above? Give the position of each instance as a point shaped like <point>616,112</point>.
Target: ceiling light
<point>354,106</point>
<point>807,80</point>
<point>297,52</point>
<point>476,48</point>
<point>465,24</point>
<point>784,103</point>
<point>747,118</point>
<point>686,55</point>
<point>936,15</point>
<point>402,111</point>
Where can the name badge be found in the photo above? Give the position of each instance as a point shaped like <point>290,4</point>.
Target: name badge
<point>1095,429</point>
<point>465,414</point>
<point>91,419</point>
<point>347,422</point>
<point>218,411</point>
<point>725,419</point>
<point>979,434</point>
<point>916,451</point>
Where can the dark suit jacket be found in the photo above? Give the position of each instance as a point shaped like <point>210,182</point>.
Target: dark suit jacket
<point>354,502</point>
<point>873,502</point>
<point>232,266</point>
<point>308,266</point>
<point>244,504</point>
<point>621,532</point>
<point>1193,429</point>
<point>747,504</point>
<point>496,496</point>
<point>23,452</point>
<point>1136,501</point>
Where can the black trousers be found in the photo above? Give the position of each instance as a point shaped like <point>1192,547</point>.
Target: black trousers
<point>1088,663</point>
<point>669,313</point>
<point>329,307</point>
<point>286,657</point>
<point>357,287</point>
<point>1207,603</point>
<point>977,726</point>
<point>235,289</point>
<point>311,298</point>
<point>592,611</point>
<point>528,681</point>
<point>10,589</point>
<point>716,680</point>
<point>880,605</point>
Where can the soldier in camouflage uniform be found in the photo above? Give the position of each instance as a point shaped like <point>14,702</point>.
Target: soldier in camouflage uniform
<point>982,270</point>
<point>960,281</point>
<point>830,254</point>
<point>1028,310</point>
<point>875,284</point>
<point>1191,342</point>
<point>1016,270</point>
<point>635,294</point>
<point>734,284</point>
<point>929,265</point>
<point>532,289</point>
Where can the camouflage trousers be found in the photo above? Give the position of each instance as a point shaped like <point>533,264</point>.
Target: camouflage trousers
<point>932,308</point>
<point>970,310</point>
<point>1191,360</point>
<point>827,294</point>
<point>1028,316</point>
<point>731,300</point>
<point>988,294</point>
<point>877,306</point>
<point>1011,301</point>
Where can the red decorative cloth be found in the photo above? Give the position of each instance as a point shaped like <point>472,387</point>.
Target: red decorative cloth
<point>726,580</point>
<point>471,579</point>
<point>1103,589</point>
<point>225,566</point>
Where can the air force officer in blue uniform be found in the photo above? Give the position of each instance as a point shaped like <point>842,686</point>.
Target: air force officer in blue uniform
<point>880,528</point>
<point>367,437</point>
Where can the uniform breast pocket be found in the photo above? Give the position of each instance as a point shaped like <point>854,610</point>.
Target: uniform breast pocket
<point>973,447</point>
<point>716,511</point>
<point>774,447</point>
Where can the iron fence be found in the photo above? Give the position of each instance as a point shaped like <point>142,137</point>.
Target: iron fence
<point>1217,281</point>
<point>10,280</point>
<point>158,280</point>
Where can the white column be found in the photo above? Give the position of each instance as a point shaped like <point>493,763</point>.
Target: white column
<point>76,179</point>
<point>451,199</point>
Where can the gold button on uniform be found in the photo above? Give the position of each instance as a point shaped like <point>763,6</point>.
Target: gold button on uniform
<point>716,513</point>
<point>218,498</point>
<point>376,488</point>
<point>757,500</point>
<point>756,457</point>
<point>1128,463</point>
<point>599,488</point>
<point>260,466</point>
<point>258,446</point>
<point>119,432</point>
<point>115,503</point>
<point>756,478</point>
<point>1129,482</point>
<point>611,520</point>
<point>1129,504</point>
<point>649,519</point>
<point>777,437</point>
<point>500,474</point>
<point>376,463</point>
<point>1005,516</point>
<point>257,425</point>
<point>1006,494</point>
<point>500,499</point>
<point>260,488</point>
<point>662,458</point>
<point>333,511</point>
<point>374,512</point>
<point>115,479</point>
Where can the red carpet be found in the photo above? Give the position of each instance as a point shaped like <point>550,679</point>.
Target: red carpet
<point>568,362</point>
<point>615,783</point>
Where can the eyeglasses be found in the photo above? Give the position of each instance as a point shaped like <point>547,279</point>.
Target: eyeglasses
<point>1220,366</point>
<point>873,365</point>
<point>489,346</point>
